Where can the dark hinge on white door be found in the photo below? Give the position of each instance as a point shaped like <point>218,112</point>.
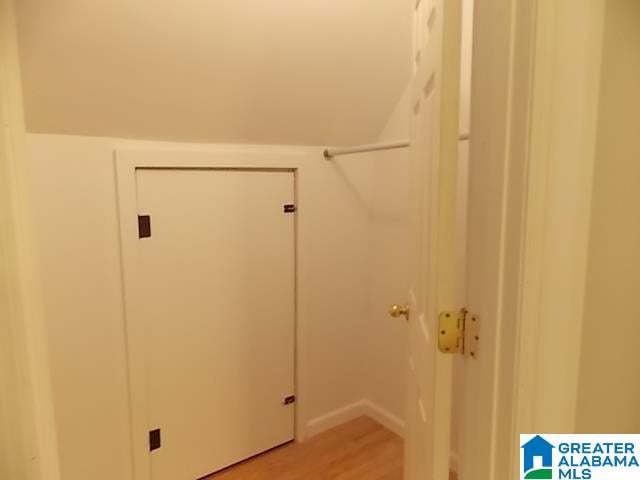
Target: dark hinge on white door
<point>155,440</point>
<point>290,208</point>
<point>144,226</point>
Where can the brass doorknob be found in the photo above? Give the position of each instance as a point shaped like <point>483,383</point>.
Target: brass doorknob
<point>399,310</point>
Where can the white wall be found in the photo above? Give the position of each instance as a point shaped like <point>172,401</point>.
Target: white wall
<point>277,72</point>
<point>75,203</point>
<point>609,391</point>
<point>388,267</point>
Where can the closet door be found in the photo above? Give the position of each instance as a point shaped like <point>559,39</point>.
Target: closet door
<point>434,223</point>
<point>215,271</point>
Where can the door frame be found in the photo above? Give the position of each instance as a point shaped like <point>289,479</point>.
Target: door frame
<point>546,86</point>
<point>562,151</point>
<point>29,439</point>
<point>127,162</point>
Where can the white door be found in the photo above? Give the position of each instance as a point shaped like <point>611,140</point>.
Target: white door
<point>433,235</point>
<point>216,281</point>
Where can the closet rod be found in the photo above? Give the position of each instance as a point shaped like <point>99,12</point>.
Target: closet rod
<point>329,153</point>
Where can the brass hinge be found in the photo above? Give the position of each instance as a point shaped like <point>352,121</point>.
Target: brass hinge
<point>458,332</point>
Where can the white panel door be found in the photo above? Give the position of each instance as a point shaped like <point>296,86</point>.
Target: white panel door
<point>216,286</point>
<point>434,185</point>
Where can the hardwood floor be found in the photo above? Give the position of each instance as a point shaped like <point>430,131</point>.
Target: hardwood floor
<point>359,450</point>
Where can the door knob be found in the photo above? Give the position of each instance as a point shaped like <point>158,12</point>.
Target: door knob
<point>399,310</point>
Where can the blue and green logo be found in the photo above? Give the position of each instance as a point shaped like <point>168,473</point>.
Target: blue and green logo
<point>537,449</point>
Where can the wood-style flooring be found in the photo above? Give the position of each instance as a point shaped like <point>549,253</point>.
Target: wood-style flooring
<point>359,450</point>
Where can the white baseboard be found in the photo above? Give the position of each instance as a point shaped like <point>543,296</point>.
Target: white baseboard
<point>363,408</point>
<point>384,417</point>
<point>350,412</point>
<point>334,418</point>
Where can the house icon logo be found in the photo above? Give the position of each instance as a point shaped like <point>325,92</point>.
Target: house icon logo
<point>537,461</point>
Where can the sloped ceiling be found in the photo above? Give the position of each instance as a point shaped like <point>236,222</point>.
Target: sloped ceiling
<point>311,72</point>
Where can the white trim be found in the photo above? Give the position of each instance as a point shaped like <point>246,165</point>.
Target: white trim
<point>544,109</point>
<point>350,412</point>
<point>36,424</point>
<point>499,123</point>
<point>384,417</point>
<point>563,114</point>
<point>558,207</point>
<point>333,419</point>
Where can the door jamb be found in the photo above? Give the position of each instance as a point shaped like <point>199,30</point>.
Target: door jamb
<point>551,136</point>
<point>564,119</point>
<point>33,445</point>
<point>549,148</point>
